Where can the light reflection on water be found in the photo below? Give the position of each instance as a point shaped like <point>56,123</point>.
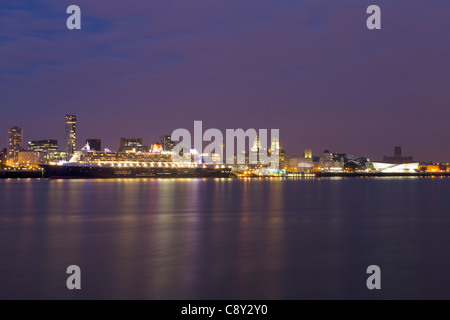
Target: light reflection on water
<point>225,239</point>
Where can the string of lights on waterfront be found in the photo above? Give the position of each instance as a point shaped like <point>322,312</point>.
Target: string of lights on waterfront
<point>133,153</point>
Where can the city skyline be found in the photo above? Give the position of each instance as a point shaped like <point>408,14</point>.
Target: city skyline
<point>313,70</point>
<point>138,145</point>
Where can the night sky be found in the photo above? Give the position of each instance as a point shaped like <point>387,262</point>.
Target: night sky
<point>309,68</point>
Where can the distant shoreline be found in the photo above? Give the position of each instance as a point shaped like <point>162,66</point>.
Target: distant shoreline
<point>36,174</point>
<point>20,174</point>
<point>381,174</point>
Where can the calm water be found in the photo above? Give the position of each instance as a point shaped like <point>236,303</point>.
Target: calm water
<point>225,239</point>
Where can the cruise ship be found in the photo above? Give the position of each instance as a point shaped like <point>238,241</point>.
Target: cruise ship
<point>105,165</point>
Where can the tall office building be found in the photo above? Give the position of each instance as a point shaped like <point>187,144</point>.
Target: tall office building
<point>308,154</point>
<point>397,152</point>
<point>167,143</point>
<point>71,136</point>
<point>282,159</point>
<point>94,144</point>
<point>15,136</point>
<point>254,152</point>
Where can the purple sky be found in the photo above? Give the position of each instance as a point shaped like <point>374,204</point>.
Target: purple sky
<point>312,69</point>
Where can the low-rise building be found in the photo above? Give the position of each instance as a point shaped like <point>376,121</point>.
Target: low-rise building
<point>299,164</point>
<point>432,167</point>
<point>330,162</point>
<point>27,157</point>
<point>43,145</point>
<point>396,168</point>
<point>132,145</point>
<point>3,157</point>
<point>55,156</point>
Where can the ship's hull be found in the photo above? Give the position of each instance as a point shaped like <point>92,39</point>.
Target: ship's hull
<point>71,171</point>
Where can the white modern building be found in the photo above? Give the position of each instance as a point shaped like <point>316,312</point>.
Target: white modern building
<point>396,168</point>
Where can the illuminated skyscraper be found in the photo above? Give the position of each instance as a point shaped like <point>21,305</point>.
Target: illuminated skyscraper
<point>71,136</point>
<point>254,153</point>
<point>308,154</point>
<point>167,143</point>
<point>15,136</point>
